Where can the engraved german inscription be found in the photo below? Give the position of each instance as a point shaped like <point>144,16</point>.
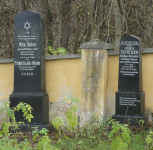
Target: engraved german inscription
<point>128,58</point>
<point>27,49</point>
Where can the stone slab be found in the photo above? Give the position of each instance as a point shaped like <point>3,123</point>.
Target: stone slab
<point>70,56</point>
<point>131,120</point>
<point>134,101</point>
<point>38,101</point>
<point>29,57</point>
<point>130,64</point>
<point>6,60</point>
<point>93,84</point>
<point>27,128</point>
<point>96,45</point>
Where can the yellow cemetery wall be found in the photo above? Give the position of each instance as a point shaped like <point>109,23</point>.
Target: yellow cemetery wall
<point>6,85</point>
<point>112,87</point>
<point>63,78</point>
<point>6,81</point>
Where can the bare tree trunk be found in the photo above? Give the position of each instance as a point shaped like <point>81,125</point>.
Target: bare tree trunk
<point>117,19</point>
<point>149,29</point>
<point>77,35</point>
<point>42,7</point>
<point>21,5</point>
<point>101,10</point>
<point>50,34</point>
<point>93,19</point>
<point>95,8</point>
<point>57,36</point>
<point>66,8</point>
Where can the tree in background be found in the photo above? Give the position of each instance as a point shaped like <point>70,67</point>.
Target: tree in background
<point>65,28</point>
<point>21,5</point>
<point>42,7</point>
<point>117,20</point>
<point>68,23</point>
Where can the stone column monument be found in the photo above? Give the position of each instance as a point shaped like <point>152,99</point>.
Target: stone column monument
<point>94,80</point>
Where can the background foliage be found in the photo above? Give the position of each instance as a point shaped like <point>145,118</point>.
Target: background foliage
<point>72,22</point>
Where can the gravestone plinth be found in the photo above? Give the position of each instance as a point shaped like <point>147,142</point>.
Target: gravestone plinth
<point>130,98</point>
<point>29,69</point>
<point>134,100</point>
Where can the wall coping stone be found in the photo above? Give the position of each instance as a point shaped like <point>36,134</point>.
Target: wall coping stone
<point>96,45</point>
<point>71,56</point>
<point>6,60</point>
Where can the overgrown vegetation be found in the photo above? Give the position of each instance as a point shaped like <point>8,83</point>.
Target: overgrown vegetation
<point>71,137</point>
<point>58,51</point>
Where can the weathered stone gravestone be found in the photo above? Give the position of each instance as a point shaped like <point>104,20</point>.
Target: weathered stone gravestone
<point>130,98</point>
<point>29,68</point>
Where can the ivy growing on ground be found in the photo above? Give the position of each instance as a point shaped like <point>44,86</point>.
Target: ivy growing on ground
<point>120,136</point>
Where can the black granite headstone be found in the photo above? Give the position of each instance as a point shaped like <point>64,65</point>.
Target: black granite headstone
<point>130,64</point>
<point>130,100</point>
<point>29,68</point>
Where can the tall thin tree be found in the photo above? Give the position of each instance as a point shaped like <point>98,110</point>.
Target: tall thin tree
<point>117,19</point>
<point>21,5</point>
<point>42,7</point>
<point>66,8</point>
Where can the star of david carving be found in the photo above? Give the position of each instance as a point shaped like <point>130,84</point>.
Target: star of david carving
<point>27,25</point>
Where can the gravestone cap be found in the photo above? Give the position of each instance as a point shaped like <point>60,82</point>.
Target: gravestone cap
<point>97,45</point>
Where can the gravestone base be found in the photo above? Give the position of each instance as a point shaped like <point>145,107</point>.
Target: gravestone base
<point>131,120</point>
<point>130,107</point>
<point>39,101</point>
<point>26,128</point>
<point>130,103</point>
